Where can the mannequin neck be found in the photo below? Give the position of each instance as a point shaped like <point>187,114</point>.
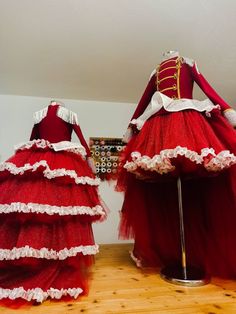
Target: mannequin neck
<point>170,54</point>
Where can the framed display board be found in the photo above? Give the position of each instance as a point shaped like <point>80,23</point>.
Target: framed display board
<point>105,152</point>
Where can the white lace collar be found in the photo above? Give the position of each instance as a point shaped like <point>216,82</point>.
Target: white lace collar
<point>170,54</point>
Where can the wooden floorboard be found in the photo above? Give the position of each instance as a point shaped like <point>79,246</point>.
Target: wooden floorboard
<point>119,287</point>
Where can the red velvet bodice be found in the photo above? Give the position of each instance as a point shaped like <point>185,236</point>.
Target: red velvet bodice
<point>175,78</point>
<point>53,129</point>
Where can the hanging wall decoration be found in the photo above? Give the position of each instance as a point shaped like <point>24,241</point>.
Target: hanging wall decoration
<point>105,152</point>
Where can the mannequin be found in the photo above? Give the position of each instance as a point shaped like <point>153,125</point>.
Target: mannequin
<point>172,135</point>
<point>48,201</point>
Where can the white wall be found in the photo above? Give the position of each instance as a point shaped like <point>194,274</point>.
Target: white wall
<point>97,119</point>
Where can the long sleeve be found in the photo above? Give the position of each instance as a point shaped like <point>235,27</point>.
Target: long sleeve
<point>34,134</point>
<point>142,105</point>
<point>146,97</point>
<point>78,132</point>
<point>228,112</point>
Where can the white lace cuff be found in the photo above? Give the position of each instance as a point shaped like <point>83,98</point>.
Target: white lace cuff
<point>230,115</point>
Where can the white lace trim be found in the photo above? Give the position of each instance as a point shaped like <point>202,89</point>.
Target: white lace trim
<point>76,148</point>
<point>135,259</point>
<point>162,164</point>
<point>38,294</point>
<point>18,207</point>
<point>26,251</point>
<point>67,115</point>
<point>40,115</point>
<point>230,115</point>
<point>63,113</point>
<point>48,173</point>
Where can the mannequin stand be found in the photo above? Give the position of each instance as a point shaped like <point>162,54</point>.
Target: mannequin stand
<point>182,274</point>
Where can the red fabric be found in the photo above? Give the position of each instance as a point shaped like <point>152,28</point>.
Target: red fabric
<point>146,97</point>
<point>150,216</point>
<point>150,210</point>
<point>43,230</point>
<point>188,129</point>
<point>188,75</point>
<point>167,75</point>
<point>54,129</point>
<point>208,90</point>
<point>44,274</point>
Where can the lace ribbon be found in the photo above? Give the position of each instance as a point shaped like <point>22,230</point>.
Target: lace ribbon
<point>18,207</point>
<point>26,251</point>
<point>63,113</point>
<point>162,164</point>
<point>38,294</point>
<point>68,146</point>
<point>48,173</point>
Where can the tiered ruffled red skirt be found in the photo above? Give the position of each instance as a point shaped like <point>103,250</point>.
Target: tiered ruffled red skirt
<point>48,200</point>
<point>202,152</point>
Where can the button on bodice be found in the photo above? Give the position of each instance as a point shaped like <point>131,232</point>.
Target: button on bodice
<point>174,79</point>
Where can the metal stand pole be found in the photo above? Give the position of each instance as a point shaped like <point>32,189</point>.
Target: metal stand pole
<point>181,274</point>
<point>181,225</point>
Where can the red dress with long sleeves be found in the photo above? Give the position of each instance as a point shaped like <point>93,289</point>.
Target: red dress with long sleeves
<point>174,135</point>
<point>48,200</point>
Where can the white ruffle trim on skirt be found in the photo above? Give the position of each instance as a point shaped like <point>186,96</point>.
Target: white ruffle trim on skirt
<point>161,163</point>
<point>68,146</point>
<point>38,294</point>
<point>18,207</point>
<point>48,173</point>
<point>27,251</point>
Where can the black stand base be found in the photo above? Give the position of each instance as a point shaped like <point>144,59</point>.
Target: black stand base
<point>194,277</point>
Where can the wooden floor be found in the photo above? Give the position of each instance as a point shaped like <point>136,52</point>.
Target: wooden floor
<point>119,287</point>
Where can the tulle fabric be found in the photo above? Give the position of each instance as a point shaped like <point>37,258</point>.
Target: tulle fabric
<point>48,201</point>
<point>182,143</point>
<point>150,209</point>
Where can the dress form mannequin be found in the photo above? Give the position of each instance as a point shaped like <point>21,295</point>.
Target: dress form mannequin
<point>172,135</point>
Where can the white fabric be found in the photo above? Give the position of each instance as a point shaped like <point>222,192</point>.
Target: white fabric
<point>18,207</point>
<point>69,146</point>
<point>135,259</point>
<point>169,54</point>
<point>39,115</point>
<point>230,115</point>
<point>48,173</point>
<point>91,164</point>
<point>38,294</point>
<point>56,102</point>
<point>63,113</point>
<point>76,148</point>
<point>45,253</point>
<point>67,115</point>
<point>128,135</point>
<point>160,100</point>
<point>173,54</point>
<point>161,163</point>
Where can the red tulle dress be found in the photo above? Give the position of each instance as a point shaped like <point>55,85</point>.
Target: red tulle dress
<point>170,136</point>
<point>48,201</point>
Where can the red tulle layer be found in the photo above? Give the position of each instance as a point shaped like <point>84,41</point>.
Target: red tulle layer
<point>65,167</point>
<point>66,232</point>
<point>150,209</point>
<point>183,143</point>
<point>48,201</point>
<point>31,273</point>
<point>150,216</point>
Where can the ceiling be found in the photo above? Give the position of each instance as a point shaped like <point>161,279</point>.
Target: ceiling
<point>106,49</point>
